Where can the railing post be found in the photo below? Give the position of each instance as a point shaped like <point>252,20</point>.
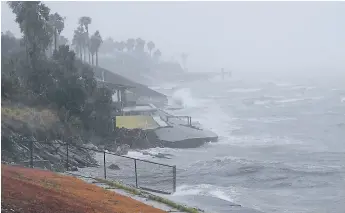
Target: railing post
<point>31,154</point>
<point>67,160</point>
<point>136,174</point>
<point>174,178</point>
<point>105,168</point>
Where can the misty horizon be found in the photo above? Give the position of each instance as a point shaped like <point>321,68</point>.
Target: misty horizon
<point>244,36</point>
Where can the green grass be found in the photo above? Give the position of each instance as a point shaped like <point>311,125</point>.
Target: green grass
<point>50,184</point>
<point>120,186</point>
<point>26,114</point>
<point>173,204</point>
<point>149,196</point>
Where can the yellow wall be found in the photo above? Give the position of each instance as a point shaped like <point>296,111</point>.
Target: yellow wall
<point>136,121</point>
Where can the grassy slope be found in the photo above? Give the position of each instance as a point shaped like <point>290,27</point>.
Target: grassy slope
<point>31,190</point>
<point>134,191</point>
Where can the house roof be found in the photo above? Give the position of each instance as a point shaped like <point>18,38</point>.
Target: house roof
<point>112,85</point>
<point>135,87</point>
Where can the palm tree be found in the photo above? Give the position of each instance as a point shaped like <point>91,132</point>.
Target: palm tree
<point>86,21</point>
<point>86,45</point>
<point>140,45</point>
<point>76,44</point>
<point>79,40</point>
<point>150,47</point>
<point>157,54</point>
<point>107,46</point>
<point>57,23</point>
<point>130,44</point>
<point>62,40</point>
<point>98,42</point>
<point>34,25</point>
<point>93,47</point>
<point>121,46</point>
<point>115,45</point>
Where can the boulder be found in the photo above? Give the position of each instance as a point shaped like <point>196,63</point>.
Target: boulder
<point>101,147</point>
<point>58,167</point>
<point>114,167</point>
<point>74,169</point>
<point>161,155</point>
<point>49,156</point>
<point>111,147</point>
<point>122,149</point>
<point>90,146</point>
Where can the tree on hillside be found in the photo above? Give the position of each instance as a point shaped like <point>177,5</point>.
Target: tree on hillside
<point>33,17</point>
<point>86,21</point>
<point>10,81</point>
<point>150,47</point>
<point>8,43</point>
<point>108,45</point>
<point>98,41</point>
<point>79,41</point>
<point>93,47</point>
<point>157,54</point>
<point>62,40</point>
<point>57,24</point>
<point>68,92</point>
<point>9,34</point>
<point>140,45</point>
<point>116,45</point>
<point>60,83</point>
<point>121,46</point>
<point>130,44</point>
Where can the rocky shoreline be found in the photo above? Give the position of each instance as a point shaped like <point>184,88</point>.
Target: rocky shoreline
<point>52,154</point>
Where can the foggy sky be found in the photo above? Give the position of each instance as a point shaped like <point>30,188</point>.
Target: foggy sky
<point>254,36</point>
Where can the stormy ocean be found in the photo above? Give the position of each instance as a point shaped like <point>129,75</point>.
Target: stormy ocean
<point>281,144</point>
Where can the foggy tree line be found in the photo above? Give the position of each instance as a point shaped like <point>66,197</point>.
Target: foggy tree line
<point>87,47</point>
<point>131,45</point>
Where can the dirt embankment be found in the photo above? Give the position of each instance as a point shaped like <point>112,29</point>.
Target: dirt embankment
<point>36,191</point>
<point>21,123</point>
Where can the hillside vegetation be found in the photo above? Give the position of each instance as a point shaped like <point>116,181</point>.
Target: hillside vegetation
<point>48,93</point>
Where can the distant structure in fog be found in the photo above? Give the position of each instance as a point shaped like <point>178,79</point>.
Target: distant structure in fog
<point>223,73</point>
<point>184,57</point>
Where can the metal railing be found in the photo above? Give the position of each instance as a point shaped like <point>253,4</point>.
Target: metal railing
<point>180,117</point>
<point>167,117</point>
<point>147,175</point>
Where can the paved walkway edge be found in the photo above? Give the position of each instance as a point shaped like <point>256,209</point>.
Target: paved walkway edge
<point>139,195</point>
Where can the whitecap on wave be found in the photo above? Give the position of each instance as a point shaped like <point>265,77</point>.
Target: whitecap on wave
<point>292,100</point>
<point>244,90</point>
<point>271,119</point>
<point>227,194</point>
<point>300,88</point>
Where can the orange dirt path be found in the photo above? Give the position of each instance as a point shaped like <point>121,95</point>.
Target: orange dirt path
<point>37,191</point>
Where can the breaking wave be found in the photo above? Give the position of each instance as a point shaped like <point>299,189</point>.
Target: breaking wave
<point>183,98</point>
<point>207,190</point>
